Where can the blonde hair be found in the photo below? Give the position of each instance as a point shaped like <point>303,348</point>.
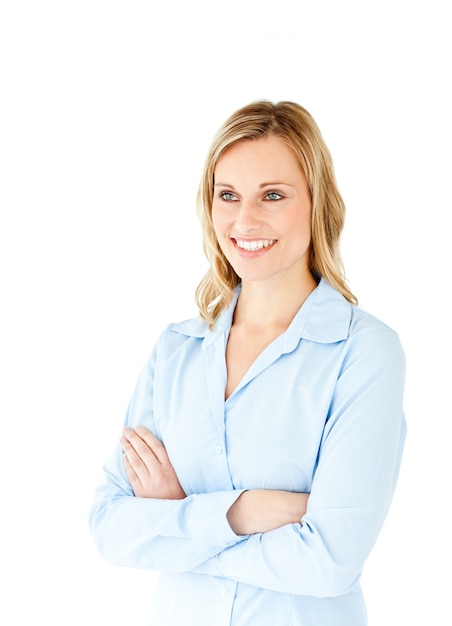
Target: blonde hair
<point>296,127</point>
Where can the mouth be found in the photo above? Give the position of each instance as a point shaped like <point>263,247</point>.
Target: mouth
<point>253,245</point>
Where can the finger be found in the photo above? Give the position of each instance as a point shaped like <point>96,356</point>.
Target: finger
<point>141,448</point>
<point>136,462</point>
<point>154,444</point>
<point>132,475</point>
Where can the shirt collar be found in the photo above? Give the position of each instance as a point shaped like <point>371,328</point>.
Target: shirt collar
<point>324,317</point>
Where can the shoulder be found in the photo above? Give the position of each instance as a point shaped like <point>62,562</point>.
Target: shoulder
<point>364,323</point>
<point>330,318</point>
<point>327,317</point>
<point>178,334</point>
<point>370,339</point>
<point>195,331</point>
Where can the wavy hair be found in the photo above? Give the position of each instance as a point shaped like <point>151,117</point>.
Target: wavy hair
<point>296,127</point>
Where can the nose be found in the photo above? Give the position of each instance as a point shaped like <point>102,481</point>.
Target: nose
<point>248,217</point>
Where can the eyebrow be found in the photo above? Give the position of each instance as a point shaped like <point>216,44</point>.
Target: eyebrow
<point>261,186</point>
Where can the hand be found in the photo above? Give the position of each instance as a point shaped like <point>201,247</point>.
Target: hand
<point>148,467</point>
<point>262,510</point>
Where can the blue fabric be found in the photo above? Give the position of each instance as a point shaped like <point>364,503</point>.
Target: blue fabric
<point>319,411</point>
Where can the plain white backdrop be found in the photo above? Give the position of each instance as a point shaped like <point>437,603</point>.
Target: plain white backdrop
<point>106,112</point>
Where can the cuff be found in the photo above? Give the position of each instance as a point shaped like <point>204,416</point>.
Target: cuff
<point>206,521</point>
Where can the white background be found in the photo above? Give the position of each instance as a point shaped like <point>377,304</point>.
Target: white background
<point>106,112</point>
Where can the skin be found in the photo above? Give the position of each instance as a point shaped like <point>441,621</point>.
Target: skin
<point>262,201</point>
<point>260,193</point>
<point>148,467</point>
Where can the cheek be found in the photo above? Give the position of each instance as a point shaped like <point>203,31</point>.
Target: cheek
<point>215,224</point>
<point>297,226</point>
<point>219,223</point>
<point>219,229</point>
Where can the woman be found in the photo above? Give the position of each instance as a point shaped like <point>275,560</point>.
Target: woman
<point>262,444</point>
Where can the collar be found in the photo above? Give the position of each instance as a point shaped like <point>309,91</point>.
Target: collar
<point>324,317</point>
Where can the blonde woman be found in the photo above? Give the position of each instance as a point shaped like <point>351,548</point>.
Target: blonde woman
<point>262,444</point>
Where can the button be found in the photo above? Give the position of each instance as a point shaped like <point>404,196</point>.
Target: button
<point>218,449</point>
<point>224,593</point>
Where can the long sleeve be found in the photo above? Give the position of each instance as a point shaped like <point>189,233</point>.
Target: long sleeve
<point>319,412</point>
<point>354,480</point>
<point>169,535</point>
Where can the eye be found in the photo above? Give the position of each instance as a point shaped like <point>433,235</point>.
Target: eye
<point>273,195</point>
<point>227,196</point>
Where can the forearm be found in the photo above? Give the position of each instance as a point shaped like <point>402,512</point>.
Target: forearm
<point>167,535</point>
<point>321,556</point>
<point>358,465</point>
<point>259,511</point>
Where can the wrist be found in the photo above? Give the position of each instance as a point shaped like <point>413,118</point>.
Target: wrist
<point>262,510</point>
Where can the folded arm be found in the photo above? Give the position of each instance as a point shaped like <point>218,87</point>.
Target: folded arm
<point>171,535</point>
<point>256,537</point>
<point>357,469</point>
<point>152,475</point>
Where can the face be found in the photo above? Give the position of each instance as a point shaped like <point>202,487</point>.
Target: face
<point>261,211</point>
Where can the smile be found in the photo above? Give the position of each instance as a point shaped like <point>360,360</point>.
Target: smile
<point>256,244</point>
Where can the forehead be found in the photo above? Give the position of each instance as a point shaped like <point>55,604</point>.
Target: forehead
<point>267,156</point>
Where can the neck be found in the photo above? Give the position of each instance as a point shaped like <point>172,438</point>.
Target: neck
<point>271,304</point>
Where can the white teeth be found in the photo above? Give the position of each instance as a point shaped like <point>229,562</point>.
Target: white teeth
<point>252,246</point>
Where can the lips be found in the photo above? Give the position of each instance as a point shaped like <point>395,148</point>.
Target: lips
<point>253,245</point>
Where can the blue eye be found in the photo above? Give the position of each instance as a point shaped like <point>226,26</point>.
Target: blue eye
<point>273,195</point>
<point>227,196</point>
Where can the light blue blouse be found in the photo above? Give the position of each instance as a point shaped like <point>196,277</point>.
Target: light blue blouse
<point>319,411</point>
